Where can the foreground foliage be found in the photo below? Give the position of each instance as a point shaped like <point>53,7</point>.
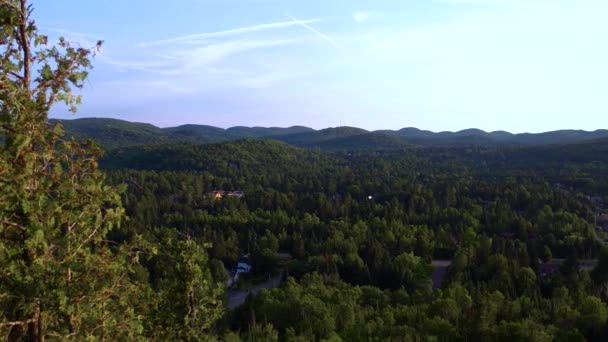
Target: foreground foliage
<point>60,276</point>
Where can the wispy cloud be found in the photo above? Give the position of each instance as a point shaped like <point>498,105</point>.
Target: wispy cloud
<point>315,31</point>
<point>197,59</point>
<point>148,88</point>
<point>199,38</point>
<point>151,66</point>
<point>229,58</point>
<point>210,54</point>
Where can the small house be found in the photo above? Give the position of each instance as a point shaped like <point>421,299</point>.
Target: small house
<point>219,194</point>
<point>237,194</point>
<point>243,265</point>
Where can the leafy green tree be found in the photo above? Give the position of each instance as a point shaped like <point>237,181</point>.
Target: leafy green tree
<point>59,278</point>
<point>263,332</point>
<point>593,313</point>
<point>600,272</point>
<point>218,271</point>
<point>546,254</point>
<point>188,301</point>
<point>410,271</point>
<point>525,279</point>
<point>231,337</point>
<point>440,328</point>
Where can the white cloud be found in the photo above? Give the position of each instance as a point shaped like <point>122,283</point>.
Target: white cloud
<point>361,16</point>
<point>194,60</point>
<point>201,62</point>
<point>214,53</point>
<point>150,87</point>
<point>189,64</point>
<point>199,38</point>
<point>315,31</point>
<point>147,66</point>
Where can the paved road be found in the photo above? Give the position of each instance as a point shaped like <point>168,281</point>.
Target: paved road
<point>236,298</point>
<point>584,264</point>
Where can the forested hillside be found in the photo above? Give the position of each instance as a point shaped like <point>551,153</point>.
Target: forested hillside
<point>472,241</point>
<point>364,226</point>
<point>111,133</point>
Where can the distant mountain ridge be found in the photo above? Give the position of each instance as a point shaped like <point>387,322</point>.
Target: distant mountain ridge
<point>113,133</point>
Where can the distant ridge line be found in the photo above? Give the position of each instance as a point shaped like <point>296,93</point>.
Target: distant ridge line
<point>112,133</point>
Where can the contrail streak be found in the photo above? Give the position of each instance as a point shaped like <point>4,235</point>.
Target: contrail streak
<point>198,37</point>
<point>315,31</point>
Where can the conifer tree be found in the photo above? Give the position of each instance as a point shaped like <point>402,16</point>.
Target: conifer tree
<point>187,301</point>
<point>59,277</point>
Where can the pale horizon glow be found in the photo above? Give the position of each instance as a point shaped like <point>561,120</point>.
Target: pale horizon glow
<point>438,65</point>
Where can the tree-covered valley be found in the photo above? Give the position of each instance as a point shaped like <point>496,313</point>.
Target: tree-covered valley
<point>520,225</point>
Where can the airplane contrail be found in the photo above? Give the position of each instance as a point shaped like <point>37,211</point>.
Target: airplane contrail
<point>315,31</point>
<point>198,37</point>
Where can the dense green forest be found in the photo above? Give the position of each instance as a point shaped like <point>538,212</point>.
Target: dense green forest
<point>363,227</point>
<point>350,235</point>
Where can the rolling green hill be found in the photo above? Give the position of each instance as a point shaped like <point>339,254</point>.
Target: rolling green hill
<point>368,141</point>
<point>248,155</point>
<point>112,133</point>
<point>216,134</point>
<point>197,132</point>
<point>315,138</point>
<point>240,132</point>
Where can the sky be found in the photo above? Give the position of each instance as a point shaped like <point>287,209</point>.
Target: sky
<point>515,65</point>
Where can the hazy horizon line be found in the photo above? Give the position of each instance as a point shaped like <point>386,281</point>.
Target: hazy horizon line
<point>330,127</point>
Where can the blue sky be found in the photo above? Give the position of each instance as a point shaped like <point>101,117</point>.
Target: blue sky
<point>516,65</point>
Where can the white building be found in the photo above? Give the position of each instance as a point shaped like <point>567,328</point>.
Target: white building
<point>243,264</point>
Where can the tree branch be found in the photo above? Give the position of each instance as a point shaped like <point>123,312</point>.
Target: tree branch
<point>25,46</point>
<point>14,323</point>
<point>16,75</point>
<point>13,224</point>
